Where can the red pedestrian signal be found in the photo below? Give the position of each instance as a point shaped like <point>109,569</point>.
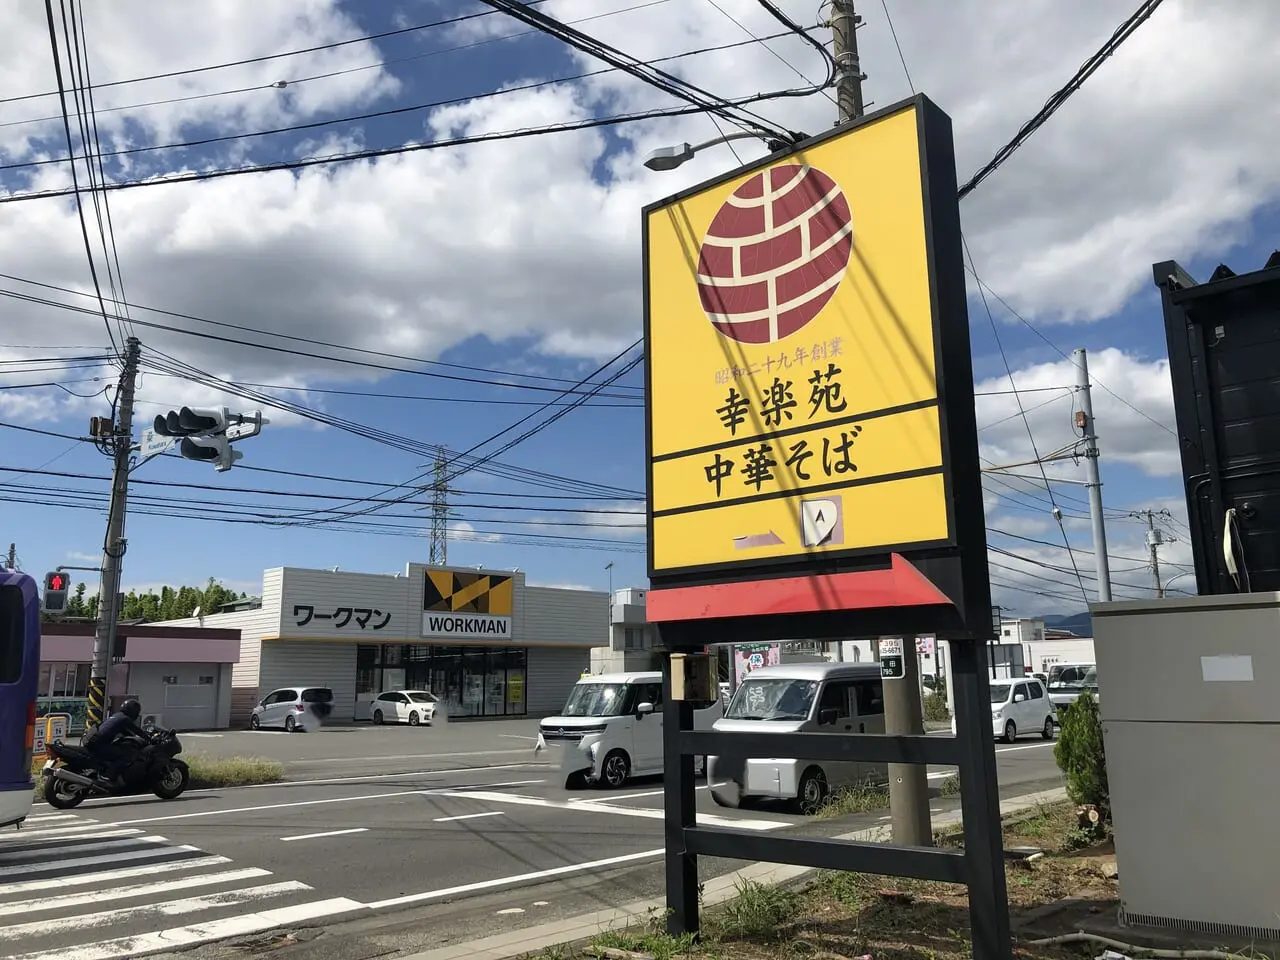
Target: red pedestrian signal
<point>56,592</point>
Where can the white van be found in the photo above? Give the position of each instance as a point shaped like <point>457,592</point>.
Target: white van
<point>799,698</point>
<point>610,729</point>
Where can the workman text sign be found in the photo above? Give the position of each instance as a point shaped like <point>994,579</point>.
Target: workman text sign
<point>792,359</point>
<point>466,606</point>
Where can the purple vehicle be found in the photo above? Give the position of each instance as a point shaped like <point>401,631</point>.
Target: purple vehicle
<point>19,673</point>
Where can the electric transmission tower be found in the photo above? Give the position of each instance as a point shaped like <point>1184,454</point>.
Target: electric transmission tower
<point>439,510</point>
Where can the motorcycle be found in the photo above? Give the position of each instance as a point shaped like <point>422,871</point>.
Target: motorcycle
<point>72,773</point>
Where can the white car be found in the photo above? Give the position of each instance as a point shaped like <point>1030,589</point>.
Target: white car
<point>1020,706</point>
<point>413,707</point>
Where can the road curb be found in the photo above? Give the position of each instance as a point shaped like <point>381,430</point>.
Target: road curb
<point>527,940</point>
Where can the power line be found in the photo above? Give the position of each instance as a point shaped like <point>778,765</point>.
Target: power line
<point>570,126</point>
<point>75,179</point>
<point>1059,97</point>
<point>292,337</point>
<point>42,301</point>
<point>286,83</point>
<point>333,45</point>
<point>377,114</point>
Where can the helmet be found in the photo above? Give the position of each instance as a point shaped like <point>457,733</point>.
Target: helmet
<point>131,709</point>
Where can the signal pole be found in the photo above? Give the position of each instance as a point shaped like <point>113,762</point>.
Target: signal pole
<point>104,635</point>
<point>1084,420</point>
<point>844,31</point>
<point>1155,537</point>
<point>903,713</point>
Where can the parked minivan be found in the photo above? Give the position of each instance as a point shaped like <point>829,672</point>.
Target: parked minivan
<point>610,729</point>
<point>1020,706</point>
<point>799,698</point>
<point>293,708</point>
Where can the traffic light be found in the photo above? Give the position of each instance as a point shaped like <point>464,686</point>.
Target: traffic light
<point>57,592</point>
<point>216,450</point>
<point>192,422</point>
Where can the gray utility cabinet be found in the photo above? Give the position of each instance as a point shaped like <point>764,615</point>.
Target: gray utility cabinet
<point>1189,691</point>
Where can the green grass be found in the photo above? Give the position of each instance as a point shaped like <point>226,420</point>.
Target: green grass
<point>852,800</point>
<point>209,772</point>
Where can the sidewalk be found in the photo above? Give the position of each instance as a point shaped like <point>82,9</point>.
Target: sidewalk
<point>528,940</point>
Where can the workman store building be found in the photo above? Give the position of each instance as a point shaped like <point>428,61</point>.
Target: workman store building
<point>483,640</point>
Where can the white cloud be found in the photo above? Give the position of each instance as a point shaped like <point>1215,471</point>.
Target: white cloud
<point>560,585</point>
<point>525,237</point>
<point>464,530</point>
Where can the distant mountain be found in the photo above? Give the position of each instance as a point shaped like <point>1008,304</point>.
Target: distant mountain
<point>1081,624</point>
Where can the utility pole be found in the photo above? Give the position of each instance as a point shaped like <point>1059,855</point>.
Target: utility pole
<point>13,556</point>
<point>1084,421</point>
<point>121,438</point>
<point>844,30</point>
<point>1155,537</point>
<point>908,782</point>
<point>439,549</point>
<point>903,714</point>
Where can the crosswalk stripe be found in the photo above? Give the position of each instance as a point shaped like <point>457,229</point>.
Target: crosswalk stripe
<point>43,818</point>
<point>154,851</point>
<point>72,845</point>
<point>64,838</point>
<point>111,876</point>
<point>150,911</point>
<point>42,904</point>
<point>178,938</point>
<point>18,835</point>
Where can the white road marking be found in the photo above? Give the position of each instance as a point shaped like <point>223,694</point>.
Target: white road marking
<point>618,798</point>
<point>304,782</point>
<point>205,736</point>
<point>327,833</point>
<point>178,938</point>
<point>517,736</point>
<point>510,910</point>
<point>71,833</point>
<point>487,884</point>
<point>74,842</point>
<point>426,792</point>
<point>468,816</point>
<point>951,771</point>
<point>645,813</point>
<point>135,890</point>
<point>110,876</point>
<point>150,911</point>
<point>87,861</point>
<point>425,756</point>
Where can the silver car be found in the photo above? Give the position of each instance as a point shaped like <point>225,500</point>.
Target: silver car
<point>292,708</point>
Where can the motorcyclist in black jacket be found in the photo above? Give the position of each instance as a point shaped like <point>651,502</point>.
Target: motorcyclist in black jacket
<point>105,745</point>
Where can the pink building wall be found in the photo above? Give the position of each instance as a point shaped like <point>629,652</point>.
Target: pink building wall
<point>63,649</point>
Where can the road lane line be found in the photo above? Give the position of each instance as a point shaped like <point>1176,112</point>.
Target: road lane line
<point>134,890</point>
<point>422,756</point>
<point>491,884</point>
<point>424,792</point>
<point>327,833</point>
<point>110,876</point>
<point>951,771</point>
<point>178,938</point>
<point>644,813</point>
<point>469,816</point>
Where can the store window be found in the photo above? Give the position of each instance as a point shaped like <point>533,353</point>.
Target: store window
<point>472,681</point>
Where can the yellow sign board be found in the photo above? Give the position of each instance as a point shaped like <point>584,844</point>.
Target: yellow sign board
<point>794,396</point>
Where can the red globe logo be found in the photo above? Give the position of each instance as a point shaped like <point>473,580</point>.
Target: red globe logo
<point>775,254</point>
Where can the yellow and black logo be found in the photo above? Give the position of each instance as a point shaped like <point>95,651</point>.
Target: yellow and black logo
<point>448,592</point>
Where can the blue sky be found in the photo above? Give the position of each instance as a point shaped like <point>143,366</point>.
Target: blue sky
<point>524,257</point>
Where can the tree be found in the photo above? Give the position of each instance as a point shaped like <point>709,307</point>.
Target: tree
<point>1082,756</point>
<point>171,603</point>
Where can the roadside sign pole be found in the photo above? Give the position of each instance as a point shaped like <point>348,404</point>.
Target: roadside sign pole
<point>908,782</point>
<point>113,548</point>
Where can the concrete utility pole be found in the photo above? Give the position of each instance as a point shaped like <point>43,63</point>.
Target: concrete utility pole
<point>1084,421</point>
<point>844,30</point>
<point>1155,537</point>
<point>908,782</point>
<point>903,714</point>
<point>104,635</point>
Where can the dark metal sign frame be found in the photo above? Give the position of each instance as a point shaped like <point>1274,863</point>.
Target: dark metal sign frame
<point>941,589</point>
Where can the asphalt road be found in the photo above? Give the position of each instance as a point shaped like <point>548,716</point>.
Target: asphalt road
<point>389,862</point>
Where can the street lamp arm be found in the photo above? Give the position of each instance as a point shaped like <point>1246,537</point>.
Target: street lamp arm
<point>668,158</point>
